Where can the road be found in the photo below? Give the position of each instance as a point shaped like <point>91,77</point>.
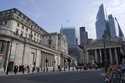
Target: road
<point>56,77</point>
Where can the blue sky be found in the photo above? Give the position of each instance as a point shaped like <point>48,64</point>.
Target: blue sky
<point>50,14</point>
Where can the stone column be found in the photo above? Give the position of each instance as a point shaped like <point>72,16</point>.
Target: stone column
<point>87,57</point>
<point>100,54</point>
<point>110,54</point>
<point>0,44</point>
<point>8,55</point>
<point>96,57</point>
<point>42,60</point>
<point>123,59</point>
<point>116,55</point>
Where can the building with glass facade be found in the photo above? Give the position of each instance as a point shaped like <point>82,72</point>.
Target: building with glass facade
<point>70,34</point>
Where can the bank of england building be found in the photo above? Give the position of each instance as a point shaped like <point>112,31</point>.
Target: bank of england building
<point>24,42</point>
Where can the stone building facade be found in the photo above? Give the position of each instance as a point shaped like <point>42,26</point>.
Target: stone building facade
<point>58,42</point>
<point>23,42</point>
<point>102,52</point>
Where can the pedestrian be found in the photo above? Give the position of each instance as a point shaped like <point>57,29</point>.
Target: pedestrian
<point>28,69</point>
<point>15,69</point>
<point>20,68</point>
<point>7,70</point>
<point>47,69</point>
<point>59,68</point>
<point>23,69</point>
<point>33,69</point>
<point>44,69</point>
<point>38,69</point>
<point>76,68</point>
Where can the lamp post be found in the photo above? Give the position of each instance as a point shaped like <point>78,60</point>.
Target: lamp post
<point>105,56</point>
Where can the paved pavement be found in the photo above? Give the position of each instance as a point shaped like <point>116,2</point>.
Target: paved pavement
<point>56,77</point>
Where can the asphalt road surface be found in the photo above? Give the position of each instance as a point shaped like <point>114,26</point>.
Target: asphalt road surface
<point>56,77</point>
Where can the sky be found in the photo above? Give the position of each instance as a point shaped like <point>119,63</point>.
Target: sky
<point>52,14</point>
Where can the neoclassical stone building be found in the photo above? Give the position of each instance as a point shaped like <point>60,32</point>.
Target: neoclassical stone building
<point>23,42</point>
<point>58,42</point>
<point>108,51</point>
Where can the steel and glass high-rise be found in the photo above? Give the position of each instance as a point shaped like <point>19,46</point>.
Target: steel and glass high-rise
<point>100,22</point>
<point>111,24</point>
<point>83,36</point>
<point>70,34</point>
<point>105,26</point>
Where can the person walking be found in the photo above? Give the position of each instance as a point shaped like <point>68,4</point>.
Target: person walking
<point>38,69</point>
<point>33,69</point>
<point>59,68</point>
<point>23,69</point>
<point>28,69</point>
<point>15,69</point>
<point>7,70</point>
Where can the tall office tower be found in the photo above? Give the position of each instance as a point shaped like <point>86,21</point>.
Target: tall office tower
<point>111,24</point>
<point>100,22</point>
<point>83,36</point>
<point>70,35</point>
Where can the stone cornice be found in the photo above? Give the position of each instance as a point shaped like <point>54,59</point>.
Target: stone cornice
<point>17,15</point>
<point>5,32</point>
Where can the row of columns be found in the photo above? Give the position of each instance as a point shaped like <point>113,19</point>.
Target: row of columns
<point>49,57</point>
<point>99,55</point>
<point>5,49</point>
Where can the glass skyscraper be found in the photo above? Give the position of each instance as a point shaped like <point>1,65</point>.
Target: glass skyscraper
<point>100,22</point>
<point>111,24</point>
<point>83,36</point>
<point>70,35</point>
<point>105,25</point>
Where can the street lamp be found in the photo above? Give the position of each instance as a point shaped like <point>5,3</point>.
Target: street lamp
<point>105,56</point>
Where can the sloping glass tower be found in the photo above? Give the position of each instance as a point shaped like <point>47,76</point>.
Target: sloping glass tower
<point>120,33</point>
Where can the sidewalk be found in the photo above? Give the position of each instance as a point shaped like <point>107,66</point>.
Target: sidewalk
<point>12,73</point>
<point>2,73</point>
<point>49,70</point>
